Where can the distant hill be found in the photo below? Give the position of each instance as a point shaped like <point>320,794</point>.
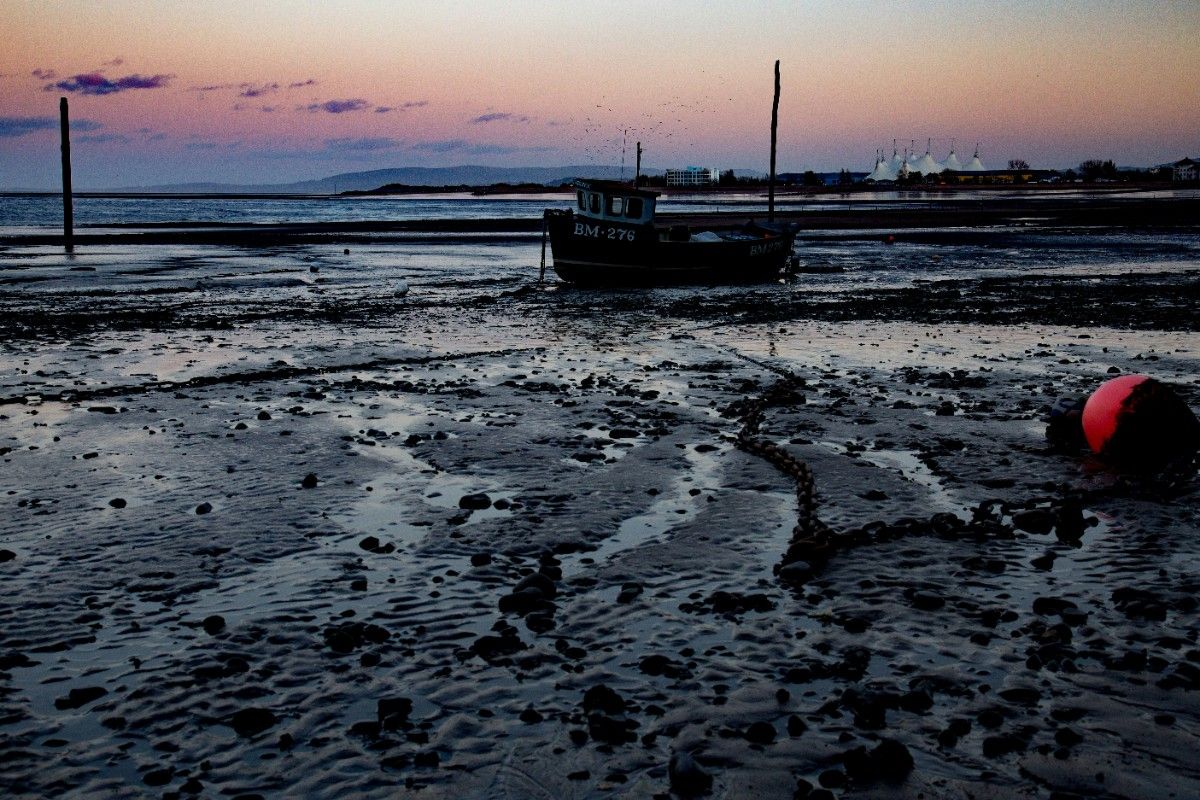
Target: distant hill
<point>469,175</point>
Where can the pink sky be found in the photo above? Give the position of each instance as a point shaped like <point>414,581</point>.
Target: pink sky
<point>274,92</point>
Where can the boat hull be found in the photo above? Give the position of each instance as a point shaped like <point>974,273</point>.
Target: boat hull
<point>588,252</point>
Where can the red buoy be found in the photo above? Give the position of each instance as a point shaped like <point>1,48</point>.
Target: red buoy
<point>1103,409</point>
<point>1139,422</point>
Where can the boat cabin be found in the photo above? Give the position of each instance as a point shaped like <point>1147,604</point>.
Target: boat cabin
<point>611,201</point>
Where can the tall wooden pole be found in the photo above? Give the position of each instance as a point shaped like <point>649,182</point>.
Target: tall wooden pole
<point>774,126</point>
<point>68,209</point>
<point>637,175</point>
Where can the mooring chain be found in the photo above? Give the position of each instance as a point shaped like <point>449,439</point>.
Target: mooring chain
<point>812,541</point>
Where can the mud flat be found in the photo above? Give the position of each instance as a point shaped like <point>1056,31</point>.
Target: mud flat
<point>274,527</point>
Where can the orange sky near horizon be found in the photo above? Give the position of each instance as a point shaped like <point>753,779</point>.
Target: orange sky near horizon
<point>556,83</point>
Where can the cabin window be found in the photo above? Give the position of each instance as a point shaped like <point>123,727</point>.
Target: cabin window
<point>594,203</point>
<point>633,208</point>
<point>582,204</point>
<point>616,206</point>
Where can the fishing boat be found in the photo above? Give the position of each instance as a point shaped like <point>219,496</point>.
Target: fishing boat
<point>610,238</point>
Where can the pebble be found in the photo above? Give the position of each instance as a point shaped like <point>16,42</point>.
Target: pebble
<point>629,592</point>
<point>78,698</point>
<point>213,624</point>
<point>760,733</point>
<point>661,665</point>
<point>537,582</point>
<point>927,601</point>
<point>393,712</point>
<point>309,482</point>
<point>158,777</point>
<point>796,572</point>
<point>252,721</point>
<point>475,502</point>
<point>204,508</point>
<point>601,698</point>
<point>117,502</point>
<point>492,647</point>
<point>687,777</point>
<point>996,746</point>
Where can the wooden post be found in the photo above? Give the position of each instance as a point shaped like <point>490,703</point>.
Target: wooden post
<point>637,175</point>
<point>542,274</point>
<point>774,126</point>
<point>68,209</point>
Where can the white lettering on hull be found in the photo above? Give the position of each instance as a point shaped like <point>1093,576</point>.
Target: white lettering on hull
<point>766,247</point>
<point>602,232</point>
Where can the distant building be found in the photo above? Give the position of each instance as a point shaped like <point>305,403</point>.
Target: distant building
<point>994,176</point>
<point>693,176</point>
<point>1185,170</point>
<point>840,178</point>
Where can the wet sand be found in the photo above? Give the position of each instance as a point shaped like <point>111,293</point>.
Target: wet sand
<point>273,528</point>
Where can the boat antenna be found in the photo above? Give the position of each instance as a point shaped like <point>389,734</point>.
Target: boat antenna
<point>624,134</point>
<point>774,126</point>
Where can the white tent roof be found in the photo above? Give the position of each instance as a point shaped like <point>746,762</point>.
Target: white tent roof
<point>952,162</point>
<point>974,165</point>
<point>926,165</point>
<point>882,172</point>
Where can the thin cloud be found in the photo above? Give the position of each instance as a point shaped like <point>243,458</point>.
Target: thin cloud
<point>93,83</point>
<point>405,106</point>
<point>104,138</point>
<point>302,84</point>
<point>44,74</point>
<point>251,90</point>
<point>498,116</point>
<point>12,127</point>
<point>212,87</point>
<point>441,145</point>
<point>339,106</point>
<point>498,149</point>
<point>116,62</point>
<point>363,144</point>
<point>201,145</point>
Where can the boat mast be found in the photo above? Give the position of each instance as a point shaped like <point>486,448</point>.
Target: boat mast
<point>637,175</point>
<point>774,125</point>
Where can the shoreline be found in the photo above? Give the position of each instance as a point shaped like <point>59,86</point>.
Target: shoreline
<point>947,219</point>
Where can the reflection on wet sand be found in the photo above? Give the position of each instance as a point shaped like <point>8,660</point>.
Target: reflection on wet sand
<point>523,493</point>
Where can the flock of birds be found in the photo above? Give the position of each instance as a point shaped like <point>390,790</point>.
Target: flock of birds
<point>673,126</point>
